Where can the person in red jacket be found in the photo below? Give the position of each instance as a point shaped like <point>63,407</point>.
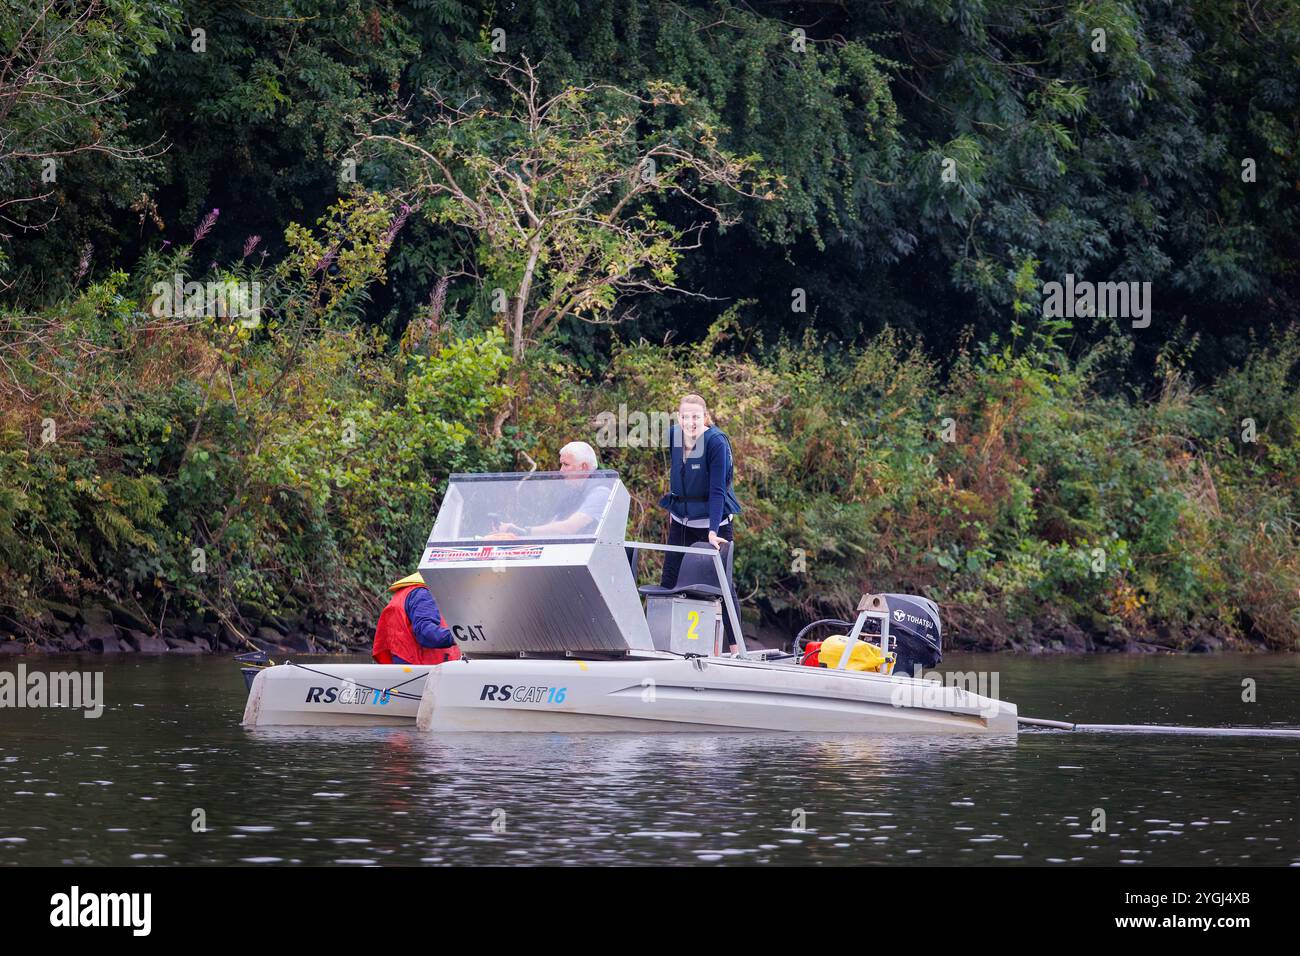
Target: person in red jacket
<point>411,629</point>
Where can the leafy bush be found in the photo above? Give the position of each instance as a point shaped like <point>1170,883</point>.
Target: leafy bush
<point>197,463</point>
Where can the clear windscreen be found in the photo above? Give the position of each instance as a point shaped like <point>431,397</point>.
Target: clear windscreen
<point>507,507</point>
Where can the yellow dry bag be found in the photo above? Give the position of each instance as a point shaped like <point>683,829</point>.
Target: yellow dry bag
<point>865,657</point>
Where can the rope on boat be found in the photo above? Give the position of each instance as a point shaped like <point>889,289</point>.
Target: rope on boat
<point>393,691</point>
<point>1162,729</point>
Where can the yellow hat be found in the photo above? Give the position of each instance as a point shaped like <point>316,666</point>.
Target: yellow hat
<point>407,581</point>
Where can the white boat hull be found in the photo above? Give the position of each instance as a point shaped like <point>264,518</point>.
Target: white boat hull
<point>336,695</point>
<point>702,695</point>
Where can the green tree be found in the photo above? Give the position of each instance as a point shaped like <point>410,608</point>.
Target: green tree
<point>64,75</point>
<point>559,191</point>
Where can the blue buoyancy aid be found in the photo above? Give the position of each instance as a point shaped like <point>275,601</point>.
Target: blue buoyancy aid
<point>700,483</point>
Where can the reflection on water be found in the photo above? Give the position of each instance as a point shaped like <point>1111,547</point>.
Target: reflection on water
<point>127,787</point>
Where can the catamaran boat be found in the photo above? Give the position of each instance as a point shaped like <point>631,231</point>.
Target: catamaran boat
<point>556,636</point>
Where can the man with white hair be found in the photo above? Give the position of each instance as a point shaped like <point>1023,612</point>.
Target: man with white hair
<point>579,512</point>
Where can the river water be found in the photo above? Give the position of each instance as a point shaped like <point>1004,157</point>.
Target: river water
<point>168,754</point>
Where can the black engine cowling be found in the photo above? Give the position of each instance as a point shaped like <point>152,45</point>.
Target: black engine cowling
<point>915,628</point>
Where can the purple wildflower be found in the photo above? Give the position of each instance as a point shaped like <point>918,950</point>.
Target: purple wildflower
<point>83,265</point>
<point>437,302</point>
<point>397,224</point>
<point>327,259</point>
<point>249,245</point>
<point>438,299</point>
<point>206,225</point>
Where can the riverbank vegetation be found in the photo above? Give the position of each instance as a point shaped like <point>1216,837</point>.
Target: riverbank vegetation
<point>196,465</point>
<point>286,283</point>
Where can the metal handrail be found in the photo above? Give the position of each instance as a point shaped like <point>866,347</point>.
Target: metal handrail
<point>722,578</point>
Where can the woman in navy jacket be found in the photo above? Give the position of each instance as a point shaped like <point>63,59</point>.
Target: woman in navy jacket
<point>700,500</point>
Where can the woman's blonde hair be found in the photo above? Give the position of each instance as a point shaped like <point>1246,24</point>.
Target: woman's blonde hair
<point>694,399</point>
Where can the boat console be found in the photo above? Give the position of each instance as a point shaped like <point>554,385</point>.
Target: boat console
<point>513,586</point>
<point>516,587</point>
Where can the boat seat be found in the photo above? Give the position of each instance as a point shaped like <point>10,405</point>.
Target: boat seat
<point>697,577</point>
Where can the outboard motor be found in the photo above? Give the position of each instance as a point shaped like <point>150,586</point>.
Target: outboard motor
<point>914,626</point>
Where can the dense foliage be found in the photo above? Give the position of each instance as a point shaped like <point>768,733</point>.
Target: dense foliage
<point>888,188</point>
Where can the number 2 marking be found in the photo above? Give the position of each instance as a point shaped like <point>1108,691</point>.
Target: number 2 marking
<point>695,622</point>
